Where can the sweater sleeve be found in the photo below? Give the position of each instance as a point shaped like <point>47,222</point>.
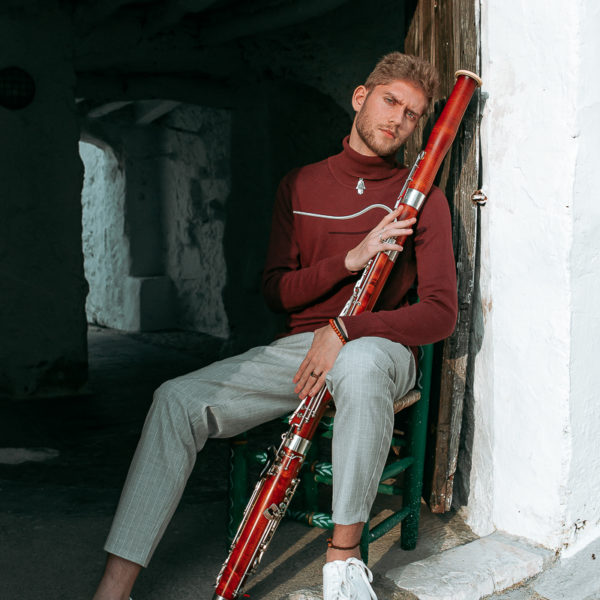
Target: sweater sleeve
<point>434,317</point>
<point>287,285</point>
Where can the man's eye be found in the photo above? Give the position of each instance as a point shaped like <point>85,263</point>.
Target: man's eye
<point>411,115</point>
<point>389,100</point>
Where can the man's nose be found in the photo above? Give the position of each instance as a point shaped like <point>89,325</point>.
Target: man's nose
<point>398,117</point>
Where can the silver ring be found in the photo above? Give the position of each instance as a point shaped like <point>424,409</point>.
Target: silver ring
<point>313,374</point>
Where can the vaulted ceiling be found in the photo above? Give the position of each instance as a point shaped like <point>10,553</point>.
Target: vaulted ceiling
<point>213,51</point>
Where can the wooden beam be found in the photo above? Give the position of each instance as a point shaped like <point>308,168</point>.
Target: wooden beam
<point>445,33</point>
<point>90,14</point>
<point>225,27</point>
<point>169,15</point>
<point>106,108</point>
<point>133,49</point>
<point>195,89</point>
<point>147,111</point>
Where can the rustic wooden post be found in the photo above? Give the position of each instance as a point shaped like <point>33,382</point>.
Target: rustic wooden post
<point>445,33</point>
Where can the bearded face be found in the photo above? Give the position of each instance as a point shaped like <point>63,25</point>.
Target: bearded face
<point>373,136</point>
<point>386,116</point>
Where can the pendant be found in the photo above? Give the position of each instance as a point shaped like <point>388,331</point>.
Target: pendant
<point>360,186</point>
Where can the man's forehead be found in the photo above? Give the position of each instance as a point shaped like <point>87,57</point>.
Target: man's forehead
<point>404,87</point>
<point>400,83</point>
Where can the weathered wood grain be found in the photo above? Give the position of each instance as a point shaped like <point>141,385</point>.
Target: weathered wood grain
<point>445,33</point>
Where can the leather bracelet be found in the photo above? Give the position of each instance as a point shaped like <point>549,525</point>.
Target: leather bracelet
<point>330,545</point>
<point>337,331</point>
<point>338,324</point>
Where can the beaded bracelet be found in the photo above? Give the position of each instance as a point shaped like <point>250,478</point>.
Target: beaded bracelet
<point>338,330</point>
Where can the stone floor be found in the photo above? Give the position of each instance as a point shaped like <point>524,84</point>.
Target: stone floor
<point>63,461</point>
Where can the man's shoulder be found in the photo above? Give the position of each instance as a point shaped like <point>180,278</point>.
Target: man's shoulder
<point>436,209</point>
<point>437,195</point>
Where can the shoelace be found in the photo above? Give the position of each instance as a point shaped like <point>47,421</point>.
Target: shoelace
<point>346,587</point>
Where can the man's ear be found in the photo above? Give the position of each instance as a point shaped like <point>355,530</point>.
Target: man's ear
<point>358,97</point>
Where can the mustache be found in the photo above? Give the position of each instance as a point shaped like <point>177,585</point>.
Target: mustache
<point>392,130</point>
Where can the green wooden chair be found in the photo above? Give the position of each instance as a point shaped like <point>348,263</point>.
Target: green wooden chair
<point>409,446</point>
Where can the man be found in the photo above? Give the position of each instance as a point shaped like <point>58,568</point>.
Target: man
<point>329,219</point>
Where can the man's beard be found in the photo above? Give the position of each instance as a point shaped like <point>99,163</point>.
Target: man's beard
<point>366,131</point>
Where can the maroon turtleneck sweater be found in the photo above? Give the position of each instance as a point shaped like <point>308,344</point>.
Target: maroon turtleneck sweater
<point>305,274</point>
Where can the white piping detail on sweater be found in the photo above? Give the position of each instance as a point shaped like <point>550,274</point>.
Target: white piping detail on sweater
<point>361,212</point>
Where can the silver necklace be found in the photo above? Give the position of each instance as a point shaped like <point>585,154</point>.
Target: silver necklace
<point>360,186</point>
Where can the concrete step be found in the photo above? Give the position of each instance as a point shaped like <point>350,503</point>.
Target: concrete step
<point>472,571</point>
<point>576,577</point>
<point>468,572</point>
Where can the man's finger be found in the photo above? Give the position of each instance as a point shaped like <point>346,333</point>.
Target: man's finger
<point>388,219</point>
<point>396,247</point>
<point>394,228</point>
<point>398,231</point>
<point>318,385</point>
<point>301,369</point>
<point>309,374</point>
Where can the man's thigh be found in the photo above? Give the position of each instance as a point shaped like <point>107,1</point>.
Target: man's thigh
<point>240,392</point>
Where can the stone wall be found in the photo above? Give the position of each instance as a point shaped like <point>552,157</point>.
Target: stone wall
<point>105,245</point>
<point>196,180</point>
<point>42,288</point>
<point>177,232</point>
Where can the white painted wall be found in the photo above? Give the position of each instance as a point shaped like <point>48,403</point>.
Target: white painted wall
<point>583,483</point>
<point>534,471</point>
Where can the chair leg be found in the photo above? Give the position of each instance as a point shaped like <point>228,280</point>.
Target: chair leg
<point>364,543</point>
<point>413,477</point>
<point>238,483</point>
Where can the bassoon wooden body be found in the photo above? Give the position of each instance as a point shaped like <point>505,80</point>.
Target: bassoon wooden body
<point>280,478</point>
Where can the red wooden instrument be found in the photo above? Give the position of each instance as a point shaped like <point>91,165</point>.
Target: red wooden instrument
<point>279,480</point>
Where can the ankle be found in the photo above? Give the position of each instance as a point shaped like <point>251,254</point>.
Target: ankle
<point>342,554</point>
<point>118,579</point>
<point>108,592</point>
<point>342,551</point>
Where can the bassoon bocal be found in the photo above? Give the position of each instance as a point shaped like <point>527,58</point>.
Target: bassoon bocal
<point>280,478</point>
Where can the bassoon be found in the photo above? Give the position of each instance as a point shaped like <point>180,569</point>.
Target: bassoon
<point>280,478</point>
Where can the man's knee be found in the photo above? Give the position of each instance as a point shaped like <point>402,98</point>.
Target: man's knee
<point>172,397</point>
<point>371,366</point>
<point>364,357</point>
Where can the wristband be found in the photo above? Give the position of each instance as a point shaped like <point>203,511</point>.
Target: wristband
<point>338,330</point>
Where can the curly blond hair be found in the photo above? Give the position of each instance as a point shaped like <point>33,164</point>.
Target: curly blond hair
<point>397,66</point>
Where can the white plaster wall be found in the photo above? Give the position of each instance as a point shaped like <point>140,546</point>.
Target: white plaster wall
<point>480,418</point>
<point>196,176</point>
<point>105,246</point>
<point>583,484</point>
<point>522,378</point>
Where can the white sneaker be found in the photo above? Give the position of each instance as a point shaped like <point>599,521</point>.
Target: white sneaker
<point>347,580</point>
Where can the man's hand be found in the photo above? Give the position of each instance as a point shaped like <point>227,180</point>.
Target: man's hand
<point>319,360</point>
<point>359,256</point>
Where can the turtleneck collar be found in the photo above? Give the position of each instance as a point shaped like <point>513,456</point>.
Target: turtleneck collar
<point>349,165</point>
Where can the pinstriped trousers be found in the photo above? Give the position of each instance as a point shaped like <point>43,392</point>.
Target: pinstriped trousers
<point>235,394</point>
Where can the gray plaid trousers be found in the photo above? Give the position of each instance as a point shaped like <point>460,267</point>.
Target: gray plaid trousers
<point>238,393</point>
